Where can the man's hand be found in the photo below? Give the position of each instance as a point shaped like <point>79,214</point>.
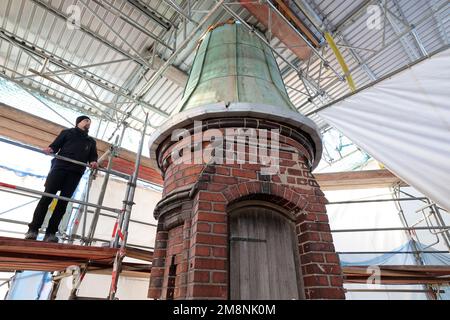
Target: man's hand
<point>93,165</point>
<point>48,150</point>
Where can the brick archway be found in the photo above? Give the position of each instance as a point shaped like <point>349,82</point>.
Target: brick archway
<point>285,197</point>
<point>192,243</point>
<point>320,267</point>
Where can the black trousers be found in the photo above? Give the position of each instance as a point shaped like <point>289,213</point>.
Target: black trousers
<point>57,180</point>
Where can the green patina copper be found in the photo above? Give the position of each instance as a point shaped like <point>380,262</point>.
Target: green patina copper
<point>234,65</point>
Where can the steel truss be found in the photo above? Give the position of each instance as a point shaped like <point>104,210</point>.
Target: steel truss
<point>318,82</point>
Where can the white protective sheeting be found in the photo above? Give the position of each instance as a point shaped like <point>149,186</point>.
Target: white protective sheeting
<point>404,122</point>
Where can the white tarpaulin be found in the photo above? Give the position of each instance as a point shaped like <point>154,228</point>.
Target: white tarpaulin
<point>404,122</point>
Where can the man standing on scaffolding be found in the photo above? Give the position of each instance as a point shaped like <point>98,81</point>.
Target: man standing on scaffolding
<point>64,176</point>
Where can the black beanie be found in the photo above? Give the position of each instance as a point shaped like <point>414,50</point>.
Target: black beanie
<point>81,118</point>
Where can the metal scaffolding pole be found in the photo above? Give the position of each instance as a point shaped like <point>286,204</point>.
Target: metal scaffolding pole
<point>440,221</point>
<point>113,152</point>
<point>131,220</point>
<point>302,74</point>
<point>108,6</point>
<point>130,245</point>
<point>417,254</point>
<point>65,17</point>
<point>88,76</point>
<point>18,207</point>
<point>21,145</point>
<point>376,200</point>
<point>391,252</point>
<point>177,8</point>
<point>85,208</point>
<point>317,53</point>
<point>50,195</point>
<point>333,84</point>
<point>391,229</point>
<point>122,230</point>
<point>14,221</point>
<point>392,290</point>
<point>24,223</point>
<point>180,47</point>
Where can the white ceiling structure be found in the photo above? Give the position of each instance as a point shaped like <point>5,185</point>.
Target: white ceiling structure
<point>119,59</point>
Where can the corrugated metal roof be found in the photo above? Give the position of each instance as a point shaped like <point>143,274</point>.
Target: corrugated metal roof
<point>115,30</point>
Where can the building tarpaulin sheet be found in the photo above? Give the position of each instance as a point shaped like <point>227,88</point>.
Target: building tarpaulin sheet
<point>404,123</point>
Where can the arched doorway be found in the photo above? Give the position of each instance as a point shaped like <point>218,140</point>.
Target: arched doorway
<point>263,253</point>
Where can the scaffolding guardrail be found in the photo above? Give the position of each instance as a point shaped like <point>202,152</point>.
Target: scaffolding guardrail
<point>393,290</point>
<point>54,196</point>
<point>390,252</point>
<point>24,146</point>
<point>376,200</point>
<point>123,215</point>
<point>391,229</point>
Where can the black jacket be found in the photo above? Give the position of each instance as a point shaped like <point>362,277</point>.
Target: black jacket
<point>75,144</point>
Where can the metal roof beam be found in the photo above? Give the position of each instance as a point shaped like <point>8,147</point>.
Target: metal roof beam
<point>182,45</point>
<point>409,50</point>
<point>301,73</point>
<point>175,6</point>
<point>53,97</point>
<point>438,19</point>
<point>413,31</point>
<point>384,77</point>
<point>109,7</point>
<point>63,71</point>
<point>334,83</point>
<point>104,41</point>
<point>352,16</point>
<point>317,53</point>
<point>114,32</point>
<point>172,72</point>
<point>151,14</point>
<point>66,18</point>
<point>117,34</point>
<point>86,75</point>
<point>102,112</point>
<point>337,29</point>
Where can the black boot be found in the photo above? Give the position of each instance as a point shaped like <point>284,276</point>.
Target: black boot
<point>31,234</point>
<point>51,237</point>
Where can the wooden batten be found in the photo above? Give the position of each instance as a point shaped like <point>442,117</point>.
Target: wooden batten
<point>399,274</point>
<point>20,254</point>
<point>357,180</point>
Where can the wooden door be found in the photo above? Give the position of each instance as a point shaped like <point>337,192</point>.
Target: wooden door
<point>262,255</point>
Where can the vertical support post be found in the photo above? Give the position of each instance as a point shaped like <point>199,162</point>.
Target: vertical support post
<point>101,197</point>
<point>78,278</point>
<point>113,153</point>
<point>134,178</point>
<point>440,222</point>
<point>125,218</point>
<point>396,194</point>
<point>98,128</point>
<point>269,18</point>
<point>82,212</point>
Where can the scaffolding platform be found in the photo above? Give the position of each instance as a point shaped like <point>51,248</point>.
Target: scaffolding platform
<point>405,274</point>
<point>19,254</point>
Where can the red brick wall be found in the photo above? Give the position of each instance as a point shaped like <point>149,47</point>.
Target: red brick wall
<point>200,244</point>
